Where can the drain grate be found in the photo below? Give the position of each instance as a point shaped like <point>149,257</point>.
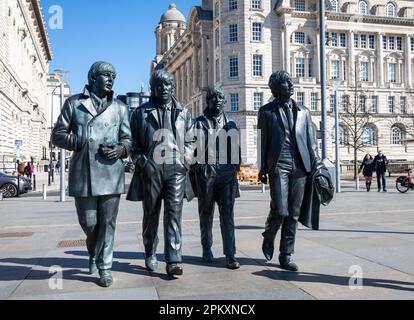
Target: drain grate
<point>71,243</point>
<point>16,235</point>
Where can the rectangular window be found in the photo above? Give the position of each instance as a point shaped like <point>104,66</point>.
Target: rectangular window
<point>233,33</point>
<point>217,37</point>
<point>356,40</point>
<point>335,69</point>
<point>374,104</point>
<point>363,41</point>
<point>257,31</point>
<point>345,103</point>
<point>256,4</point>
<point>232,5</point>
<point>314,101</point>
<point>332,103</point>
<point>217,70</point>
<point>342,40</point>
<point>371,40</point>
<point>384,42</point>
<point>234,102</point>
<point>301,98</point>
<point>391,104</point>
<point>234,67</point>
<point>300,67</point>
<point>257,100</point>
<point>257,65</point>
<point>364,71</point>
<point>399,43</point>
<point>403,103</point>
<point>392,72</point>
<point>334,38</point>
<point>300,5</point>
<point>391,43</point>
<point>362,104</point>
<point>217,8</point>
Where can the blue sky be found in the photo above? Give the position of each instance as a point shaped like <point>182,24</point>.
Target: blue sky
<point>118,31</point>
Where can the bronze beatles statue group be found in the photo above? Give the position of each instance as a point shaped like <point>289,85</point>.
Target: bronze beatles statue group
<point>177,157</point>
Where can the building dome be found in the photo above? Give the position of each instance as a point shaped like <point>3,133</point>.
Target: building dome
<point>172,15</point>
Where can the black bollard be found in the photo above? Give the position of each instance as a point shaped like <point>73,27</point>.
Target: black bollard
<point>34,182</point>
<point>18,185</point>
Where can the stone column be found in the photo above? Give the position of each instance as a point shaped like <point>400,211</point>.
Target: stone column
<point>317,58</point>
<point>380,61</point>
<point>286,51</point>
<point>407,56</point>
<point>351,56</point>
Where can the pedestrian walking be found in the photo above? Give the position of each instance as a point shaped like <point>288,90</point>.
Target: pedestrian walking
<point>381,165</point>
<point>367,168</point>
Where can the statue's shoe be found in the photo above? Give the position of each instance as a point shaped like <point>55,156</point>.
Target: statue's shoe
<point>92,265</point>
<point>232,263</point>
<point>208,255</point>
<point>105,279</point>
<point>174,269</point>
<point>287,263</point>
<point>151,263</point>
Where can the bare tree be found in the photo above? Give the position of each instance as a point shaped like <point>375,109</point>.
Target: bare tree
<point>355,118</point>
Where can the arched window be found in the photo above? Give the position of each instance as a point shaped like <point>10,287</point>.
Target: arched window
<point>368,135</point>
<point>334,5</point>
<point>397,135</point>
<point>391,10</point>
<point>362,7</point>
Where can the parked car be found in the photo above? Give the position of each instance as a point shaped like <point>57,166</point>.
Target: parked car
<point>129,166</point>
<point>8,185</point>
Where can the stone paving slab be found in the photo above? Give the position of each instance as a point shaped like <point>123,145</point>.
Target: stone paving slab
<point>373,231</point>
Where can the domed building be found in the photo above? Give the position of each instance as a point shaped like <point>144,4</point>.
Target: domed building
<point>171,26</point>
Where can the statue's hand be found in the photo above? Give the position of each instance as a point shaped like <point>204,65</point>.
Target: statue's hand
<point>262,177</point>
<point>111,152</point>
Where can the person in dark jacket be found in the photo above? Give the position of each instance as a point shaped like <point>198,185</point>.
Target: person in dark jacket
<point>288,155</point>
<point>367,168</point>
<point>380,166</point>
<point>216,175</point>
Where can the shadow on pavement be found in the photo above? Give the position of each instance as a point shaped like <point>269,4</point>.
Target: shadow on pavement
<point>76,268</point>
<point>360,231</point>
<point>331,279</point>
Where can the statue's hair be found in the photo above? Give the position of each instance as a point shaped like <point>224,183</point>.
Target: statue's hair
<point>211,91</point>
<point>161,75</point>
<point>278,77</point>
<point>98,68</point>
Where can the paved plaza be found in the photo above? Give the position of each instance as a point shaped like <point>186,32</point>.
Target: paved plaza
<point>364,250</point>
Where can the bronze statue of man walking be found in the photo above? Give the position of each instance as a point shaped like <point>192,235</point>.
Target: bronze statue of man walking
<point>287,155</point>
<point>95,126</point>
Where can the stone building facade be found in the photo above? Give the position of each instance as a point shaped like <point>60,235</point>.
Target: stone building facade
<point>237,44</point>
<point>24,62</point>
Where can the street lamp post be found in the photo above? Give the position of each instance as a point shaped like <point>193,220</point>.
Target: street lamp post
<point>337,143</point>
<point>323,77</point>
<point>51,169</point>
<point>61,74</point>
